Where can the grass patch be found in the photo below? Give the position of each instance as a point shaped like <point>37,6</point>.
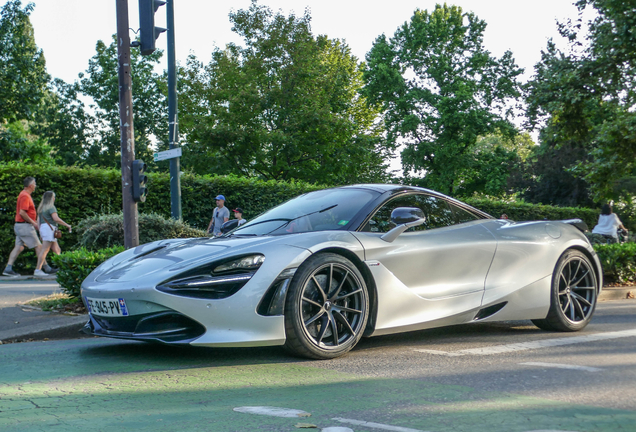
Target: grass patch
<point>58,302</point>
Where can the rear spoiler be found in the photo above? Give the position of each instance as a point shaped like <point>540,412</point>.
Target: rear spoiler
<point>582,226</point>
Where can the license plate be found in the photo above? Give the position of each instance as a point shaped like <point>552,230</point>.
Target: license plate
<point>107,307</point>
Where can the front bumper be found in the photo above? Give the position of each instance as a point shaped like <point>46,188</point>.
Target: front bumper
<point>166,327</point>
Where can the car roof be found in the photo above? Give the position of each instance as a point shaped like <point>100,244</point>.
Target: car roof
<point>393,188</point>
<point>397,188</point>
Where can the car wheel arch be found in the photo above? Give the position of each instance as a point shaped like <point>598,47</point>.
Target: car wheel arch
<point>368,279</point>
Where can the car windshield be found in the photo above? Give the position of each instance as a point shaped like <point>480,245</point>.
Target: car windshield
<point>330,209</point>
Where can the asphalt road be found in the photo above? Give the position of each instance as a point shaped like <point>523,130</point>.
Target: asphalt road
<point>507,377</point>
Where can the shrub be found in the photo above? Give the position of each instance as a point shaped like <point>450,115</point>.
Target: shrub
<point>618,260</point>
<point>75,266</point>
<point>596,239</point>
<point>99,232</point>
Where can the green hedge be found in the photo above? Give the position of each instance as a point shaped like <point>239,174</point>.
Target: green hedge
<point>618,260</point>
<point>75,266</point>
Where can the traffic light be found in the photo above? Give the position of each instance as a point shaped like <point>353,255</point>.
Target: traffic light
<point>148,32</point>
<point>139,181</point>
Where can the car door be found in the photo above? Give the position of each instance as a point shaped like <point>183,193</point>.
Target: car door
<point>432,271</point>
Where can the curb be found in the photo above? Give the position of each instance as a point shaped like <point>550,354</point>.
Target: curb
<point>50,277</point>
<point>67,330</point>
<point>621,293</point>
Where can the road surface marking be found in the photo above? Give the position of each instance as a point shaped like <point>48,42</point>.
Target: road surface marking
<point>375,425</point>
<point>272,411</point>
<point>545,343</point>
<point>562,366</point>
<point>436,352</point>
<point>336,429</point>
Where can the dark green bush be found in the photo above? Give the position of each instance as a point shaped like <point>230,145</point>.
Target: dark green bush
<point>99,232</point>
<point>618,260</point>
<point>75,266</point>
<point>596,239</point>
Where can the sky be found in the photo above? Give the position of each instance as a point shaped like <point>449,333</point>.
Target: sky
<point>67,30</point>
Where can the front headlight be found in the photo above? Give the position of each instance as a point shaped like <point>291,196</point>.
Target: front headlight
<point>251,262</point>
<point>221,282</point>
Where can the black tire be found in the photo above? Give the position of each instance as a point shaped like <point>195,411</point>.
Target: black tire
<point>573,295</point>
<point>326,308</point>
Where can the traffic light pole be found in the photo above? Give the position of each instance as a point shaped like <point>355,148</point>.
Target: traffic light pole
<point>131,226</point>
<point>173,117</point>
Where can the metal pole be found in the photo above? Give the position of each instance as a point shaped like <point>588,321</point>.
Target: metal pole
<point>173,116</point>
<point>131,227</point>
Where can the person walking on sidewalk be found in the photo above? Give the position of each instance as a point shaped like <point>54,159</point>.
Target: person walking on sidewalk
<point>48,220</point>
<point>25,227</point>
<point>220,215</point>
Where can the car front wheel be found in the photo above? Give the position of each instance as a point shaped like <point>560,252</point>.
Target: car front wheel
<point>326,308</point>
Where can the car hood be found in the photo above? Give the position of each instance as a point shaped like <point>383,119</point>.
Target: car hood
<point>167,257</point>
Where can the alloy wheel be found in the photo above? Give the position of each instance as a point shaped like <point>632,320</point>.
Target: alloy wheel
<point>333,304</point>
<point>577,289</point>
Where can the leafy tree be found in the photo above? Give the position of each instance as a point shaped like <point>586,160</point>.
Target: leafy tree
<point>23,76</point>
<point>285,106</point>
<point>19,144</point>
<point>101,84</point>
<point>492,165</point>
<point>440,91</point>
<point>66,124</point>
<point>546,179</point>
<point>585,97</point>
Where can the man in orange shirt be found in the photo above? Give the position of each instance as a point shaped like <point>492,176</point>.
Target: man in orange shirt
<point>25,227</point>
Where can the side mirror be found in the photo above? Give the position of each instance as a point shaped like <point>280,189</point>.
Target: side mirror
<point>404,218</point>
<point>404,215</point>
<point>229,226</point>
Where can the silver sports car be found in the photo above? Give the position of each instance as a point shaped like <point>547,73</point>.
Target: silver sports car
<point>320,271</point>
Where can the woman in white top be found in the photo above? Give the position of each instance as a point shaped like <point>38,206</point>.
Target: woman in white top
<point>608,223</point>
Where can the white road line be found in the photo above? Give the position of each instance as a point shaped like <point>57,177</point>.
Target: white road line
<point>336,429</point>
<point>562,366</point>
<point>436,352</point>
<point>376,425</point>
<point>550,430</point>
<point>545,343</point>
<point>272,411</point>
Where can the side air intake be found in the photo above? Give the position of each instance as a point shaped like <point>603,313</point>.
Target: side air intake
<point>489,311</point>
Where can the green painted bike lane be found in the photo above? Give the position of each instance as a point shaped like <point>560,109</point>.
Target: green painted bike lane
<point>102,385</point>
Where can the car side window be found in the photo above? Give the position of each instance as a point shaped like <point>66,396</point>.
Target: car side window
<point>462,215</point>
<point>437,211</point>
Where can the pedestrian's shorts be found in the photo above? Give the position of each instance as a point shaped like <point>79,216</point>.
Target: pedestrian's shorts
<point>25,235</point>
<point>47,233</point>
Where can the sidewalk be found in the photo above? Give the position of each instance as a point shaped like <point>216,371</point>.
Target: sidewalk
<point>20,322</point>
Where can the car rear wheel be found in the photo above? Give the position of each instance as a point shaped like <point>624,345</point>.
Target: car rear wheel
<point>326,308</point>
<point>574,294</point>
